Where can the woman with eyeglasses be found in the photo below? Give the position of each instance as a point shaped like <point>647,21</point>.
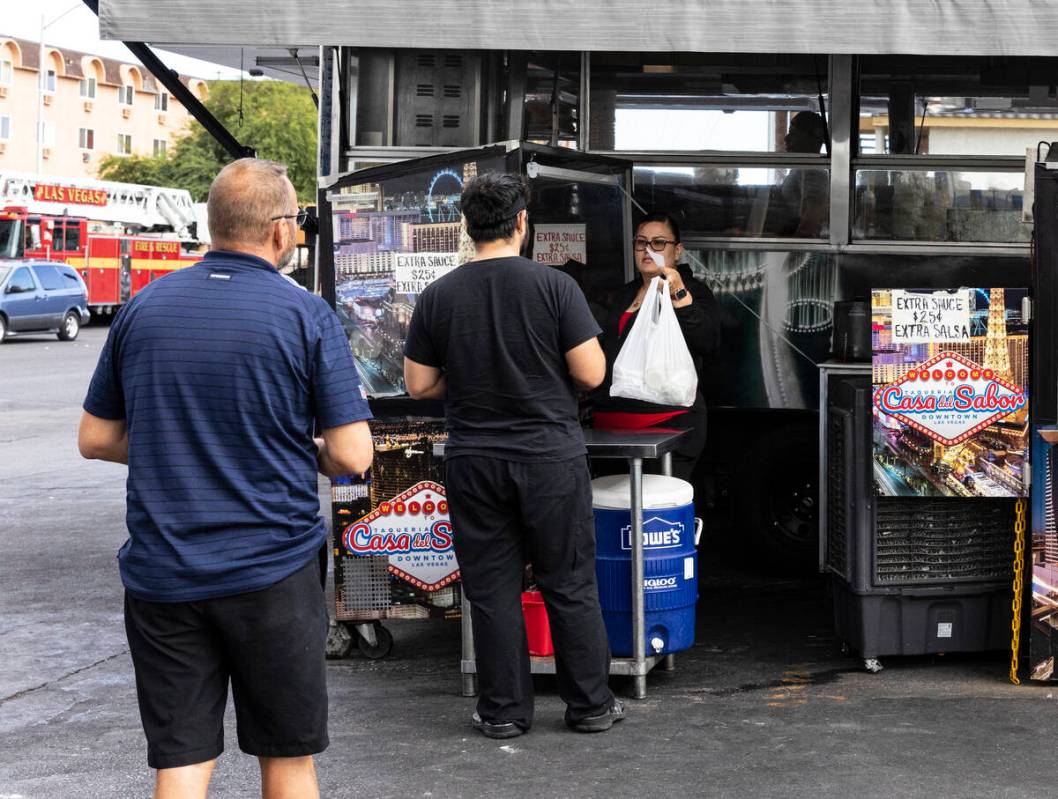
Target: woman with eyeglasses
<point>657,239</point>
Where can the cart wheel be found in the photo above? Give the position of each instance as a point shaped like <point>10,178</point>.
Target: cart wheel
<point>339,641</point>
<point>873,665</point>
<point>382,646</point>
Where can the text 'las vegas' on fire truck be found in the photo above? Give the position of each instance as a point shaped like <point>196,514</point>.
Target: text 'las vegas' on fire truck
<point>119,236</point>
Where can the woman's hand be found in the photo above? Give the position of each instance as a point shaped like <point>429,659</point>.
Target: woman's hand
<point>674,284</point>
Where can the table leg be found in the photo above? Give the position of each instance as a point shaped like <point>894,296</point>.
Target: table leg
<point>666,464</point>
<point>470,680</point>
<point>639,642</point>
<point>668,663</point>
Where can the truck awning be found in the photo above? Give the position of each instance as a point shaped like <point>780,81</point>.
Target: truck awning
<point>940,27</point>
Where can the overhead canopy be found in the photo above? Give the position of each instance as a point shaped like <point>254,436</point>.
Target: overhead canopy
<point>942,27</point>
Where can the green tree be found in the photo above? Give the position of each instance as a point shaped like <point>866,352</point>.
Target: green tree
<point>278,119</point>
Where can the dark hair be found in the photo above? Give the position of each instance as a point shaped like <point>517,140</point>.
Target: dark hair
<point>490,205</point>
<point>665,218</point>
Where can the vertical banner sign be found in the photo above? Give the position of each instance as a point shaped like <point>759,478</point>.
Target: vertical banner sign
<point>413,530</point>
<point>951,404</point>
<point>1043,552</point>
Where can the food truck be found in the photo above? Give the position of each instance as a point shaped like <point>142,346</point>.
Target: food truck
<point>814,154</point>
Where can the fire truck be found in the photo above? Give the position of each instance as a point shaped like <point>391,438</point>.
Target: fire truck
<point>119,236</point>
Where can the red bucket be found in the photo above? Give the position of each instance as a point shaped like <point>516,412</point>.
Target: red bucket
<point>537,626</point>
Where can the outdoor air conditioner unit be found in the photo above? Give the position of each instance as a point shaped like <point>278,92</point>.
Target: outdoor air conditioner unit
<point>3,146</point>
<point>161,119</point>
<point>48,98</point>
<point>46,152</point>
<point>909,575</point>
<point>87,105</point>
<point>3,91</point>
<point>126,112</point>
<point>86,157</point>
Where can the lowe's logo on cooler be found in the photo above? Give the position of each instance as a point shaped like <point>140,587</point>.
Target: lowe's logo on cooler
<point>658,533</point>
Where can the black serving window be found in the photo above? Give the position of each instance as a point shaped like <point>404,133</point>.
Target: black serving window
<point>694,102</point>
<point>933,105</point>
<point>750,201</point>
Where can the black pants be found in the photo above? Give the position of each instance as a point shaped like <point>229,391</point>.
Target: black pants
<point>504,512</point>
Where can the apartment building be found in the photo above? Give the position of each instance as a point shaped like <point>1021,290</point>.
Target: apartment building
<point>90,106</point>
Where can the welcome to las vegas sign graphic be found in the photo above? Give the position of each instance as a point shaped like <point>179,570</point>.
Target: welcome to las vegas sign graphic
<point>414,531</point>
<point>949,398</point>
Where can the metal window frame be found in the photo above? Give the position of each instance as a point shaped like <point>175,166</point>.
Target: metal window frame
<point>843,166</point>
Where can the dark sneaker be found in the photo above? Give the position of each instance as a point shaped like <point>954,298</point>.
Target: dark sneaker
<point>601,722</point>
<point>497,729</point>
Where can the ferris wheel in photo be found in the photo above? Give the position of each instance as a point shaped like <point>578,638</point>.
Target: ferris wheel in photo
<point>442,197</point>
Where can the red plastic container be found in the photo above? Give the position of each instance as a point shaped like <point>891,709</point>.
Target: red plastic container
<point>537,626</point>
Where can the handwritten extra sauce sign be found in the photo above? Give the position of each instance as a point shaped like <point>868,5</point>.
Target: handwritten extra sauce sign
<point>414,271</point>
<point>414,531</point>
<point>949,398</point>
<point>936,316</point>
<point>555,244</point>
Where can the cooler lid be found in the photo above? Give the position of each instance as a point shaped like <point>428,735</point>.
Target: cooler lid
<point>659,491</point>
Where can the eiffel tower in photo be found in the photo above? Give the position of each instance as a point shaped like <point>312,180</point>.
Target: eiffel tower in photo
<point>997,357</point>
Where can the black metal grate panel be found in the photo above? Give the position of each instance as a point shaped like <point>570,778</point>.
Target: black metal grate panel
<point>363,591</point>
<point>921,540</point>
<point>837,509</point>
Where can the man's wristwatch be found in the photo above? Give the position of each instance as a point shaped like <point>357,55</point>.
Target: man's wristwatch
<point>679,295</point>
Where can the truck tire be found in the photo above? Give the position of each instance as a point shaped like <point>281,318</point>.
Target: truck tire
<point>777,487</point>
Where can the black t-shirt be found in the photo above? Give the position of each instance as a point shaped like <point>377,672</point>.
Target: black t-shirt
<point>500,329</point>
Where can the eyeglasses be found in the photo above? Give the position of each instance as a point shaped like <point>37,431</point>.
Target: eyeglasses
<point>657,245</point>
<point>300,216</point>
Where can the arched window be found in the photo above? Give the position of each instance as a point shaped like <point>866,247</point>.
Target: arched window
<point>199,88</point>
<point>131,82</point>
<point>92,72</point>
<point>10,59</point>
<point>54,66</point>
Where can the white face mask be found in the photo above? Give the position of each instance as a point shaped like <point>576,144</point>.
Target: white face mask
<point>659,259</point>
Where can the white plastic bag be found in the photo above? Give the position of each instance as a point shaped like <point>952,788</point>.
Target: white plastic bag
<point>654,363</point>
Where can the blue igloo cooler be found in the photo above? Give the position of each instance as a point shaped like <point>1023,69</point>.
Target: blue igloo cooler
<point>670,561</point>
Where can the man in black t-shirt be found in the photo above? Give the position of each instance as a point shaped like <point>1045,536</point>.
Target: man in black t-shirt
<point>507,343</point>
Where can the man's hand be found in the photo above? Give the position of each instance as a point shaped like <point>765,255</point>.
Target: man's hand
<point>347,449</point>
<point>103,439</point>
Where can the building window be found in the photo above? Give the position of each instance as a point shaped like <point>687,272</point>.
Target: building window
<point>6,71</point>
<point>159,148</point>
<point>126,93</point>
<point>49,82</point>
<point>86,139</point>
<point>124,144</point>
<point>88,88</point>
<point>161,101</point>
<point>5,128</point>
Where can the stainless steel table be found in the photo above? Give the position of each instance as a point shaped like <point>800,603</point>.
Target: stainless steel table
<point>635,446</point>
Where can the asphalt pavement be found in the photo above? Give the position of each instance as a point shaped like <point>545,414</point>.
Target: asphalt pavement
<point>764,705</point>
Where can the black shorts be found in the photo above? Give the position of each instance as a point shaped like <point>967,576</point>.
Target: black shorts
<point>269,644</point>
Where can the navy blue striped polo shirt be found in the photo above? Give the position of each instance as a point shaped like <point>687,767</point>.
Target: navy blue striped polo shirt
<point>222,371</point>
